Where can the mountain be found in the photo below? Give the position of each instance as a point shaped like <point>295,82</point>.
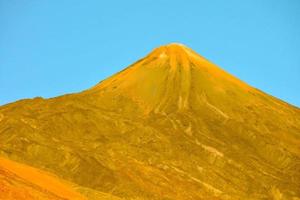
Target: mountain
<point>170,126</point>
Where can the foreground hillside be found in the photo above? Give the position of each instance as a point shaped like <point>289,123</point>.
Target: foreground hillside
<point>170,126</point>
<point>18,181</point>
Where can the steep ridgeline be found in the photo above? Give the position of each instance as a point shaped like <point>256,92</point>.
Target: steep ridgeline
<point>170,126</point>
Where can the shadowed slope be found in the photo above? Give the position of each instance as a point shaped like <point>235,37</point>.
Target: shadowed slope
<point>170,126</point>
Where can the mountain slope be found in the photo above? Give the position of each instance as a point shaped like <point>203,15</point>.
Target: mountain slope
<point>170,126</point>
<point>19,181</point>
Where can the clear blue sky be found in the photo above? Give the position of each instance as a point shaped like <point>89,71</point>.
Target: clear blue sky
<point>49,48</point>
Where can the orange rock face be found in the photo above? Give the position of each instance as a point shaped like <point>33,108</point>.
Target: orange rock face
<point>21,182</point>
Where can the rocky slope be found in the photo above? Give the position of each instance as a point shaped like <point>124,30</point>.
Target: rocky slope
<point>170,126</point>
<point>18,181</point>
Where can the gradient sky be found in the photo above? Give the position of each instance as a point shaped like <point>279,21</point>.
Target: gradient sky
<point>49,48</point>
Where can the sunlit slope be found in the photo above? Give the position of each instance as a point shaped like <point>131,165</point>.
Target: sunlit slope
<point>18,181</point>
<point>170,126</point>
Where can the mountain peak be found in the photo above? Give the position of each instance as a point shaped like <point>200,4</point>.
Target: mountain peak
<point>175,45</point>
<point>170,76</point>
<point>176,55</point>
<point>172,48</point>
